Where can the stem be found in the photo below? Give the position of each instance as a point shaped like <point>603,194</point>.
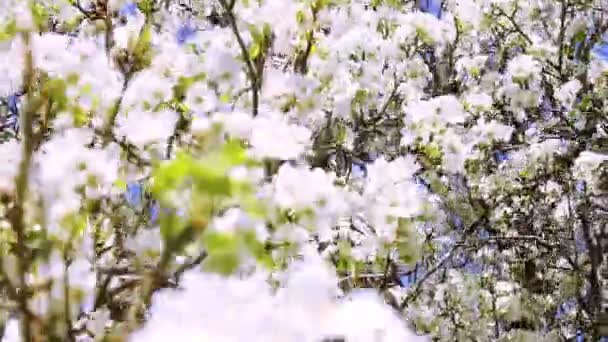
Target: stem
<point>251,73</point>
<point>66,300</point>
<point>562,32</point>
<point>21,187</point>
<point>414,294</point>
<point>301,63</point>
<point>108,130</point>
<point>109,41</point>
<point>386,269</point>
<point>515,25</point>
<point>156,278</point>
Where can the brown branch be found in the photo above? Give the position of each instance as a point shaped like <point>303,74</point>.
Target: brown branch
<point>253,76</point>
<point>17,213</point>
<point>416,291</point>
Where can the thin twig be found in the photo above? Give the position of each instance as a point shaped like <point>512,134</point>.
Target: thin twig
<point>22,180</point>
<point>253,76</point>
<point>416,291</point>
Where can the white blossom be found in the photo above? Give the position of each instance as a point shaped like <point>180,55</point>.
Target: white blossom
<point>267,131</point>
<point>159,126</point>
<point>523,67</point>
<point>566,94</point>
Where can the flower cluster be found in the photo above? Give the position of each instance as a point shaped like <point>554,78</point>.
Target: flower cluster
<point>302,170</point>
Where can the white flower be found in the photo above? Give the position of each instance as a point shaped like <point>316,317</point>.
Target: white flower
<point>116,5</point>
<point>10,157</point>
<point>12,332</point>
<point>579,23</point>
<point>126,36</point>
<point>173,60</point>
<point>504,287</point>
<point>542,47</point>
<point>98,321</point>
<point>597,69</point>
<point>273,137</point>
<point>384,174</point>
<point>520,99</point>
<point>552,187</point>
<point>468,11</point>
<point>390,192</point>
<point>24,18</point>
<point>285,28</point>
<point>523,67</point>
<point>238,125</point>
<point>566,94</point>
<point>380,322</point>
<point>201,124</point>
<point>11,66</point>
<point>146,90</point>
<point>81,277</point>
<point>235,219</point>
<point>545,149</point>
<point>143,128</point>
<point>300,187</point>
<point>63,164</point>
<point>442,109</point>
<point>587,162</point>
<point>311,273</point>
<point>479,101</point>
<point>471,65</point>
<point>201,99</point>
<point>145,241</point>
<point>304,309</point>
<point>454,150</point>
<point>427,27</point>
<point>493,130</point>
<point>220,60</point>
<point>562,210</point>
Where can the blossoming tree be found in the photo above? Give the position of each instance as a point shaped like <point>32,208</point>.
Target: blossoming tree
<point>303,170</point>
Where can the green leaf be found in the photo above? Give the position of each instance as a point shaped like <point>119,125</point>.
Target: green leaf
<point>8,30</point>
<point>169,175</point>
<point>223,252</point>
<point>257,36</point>
<point>256,248</point>
<point>320,4</point>
<point>234,153</point>
<point>209,174</point>
<point>360,96</point>
<point>254,50</point>
<point>142,52</point>
<point>81,117</point>
<point>300,17</point>
<point>40,15</point>
<point>75,223</point>
<point>181,88</point>
<point>424,36</point>
<point>407,241</point>
<point>225,98</point>
<point>223,263</point>
<point>72,78</point>
<point>146,6</point>
<point>216,242</point>
<point>54,90</point>
<point>579,37</point>
<point>184,83</point>
<point>121,184</point>
<point>267,30</point>
<point>171,226</point>
<point>394,3</point>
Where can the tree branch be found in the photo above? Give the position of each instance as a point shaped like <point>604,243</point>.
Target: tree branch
<point>252,74</point>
